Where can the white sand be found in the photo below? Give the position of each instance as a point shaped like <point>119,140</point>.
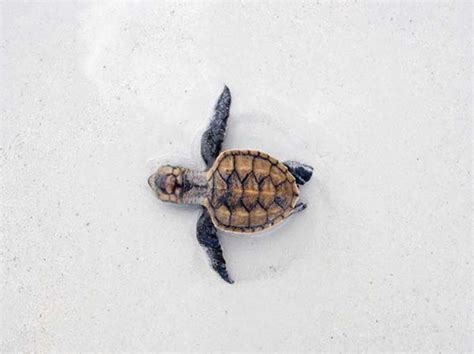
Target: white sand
<point>377,97</point>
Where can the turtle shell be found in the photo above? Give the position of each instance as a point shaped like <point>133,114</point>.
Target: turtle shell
<point>249,191</point>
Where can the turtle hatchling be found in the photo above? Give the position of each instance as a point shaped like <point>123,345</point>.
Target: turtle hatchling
<point>241,191</point>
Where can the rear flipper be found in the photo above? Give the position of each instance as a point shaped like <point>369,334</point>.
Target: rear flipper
<point>299,207</point>
<point>207,237</point>
<point>301,171</point>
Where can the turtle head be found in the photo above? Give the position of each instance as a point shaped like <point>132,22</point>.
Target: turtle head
<point>167,183</point>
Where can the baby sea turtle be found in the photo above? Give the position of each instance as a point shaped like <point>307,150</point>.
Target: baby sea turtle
<point>242,191</point>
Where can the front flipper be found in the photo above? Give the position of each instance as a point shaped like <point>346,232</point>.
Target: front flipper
<point>207,237</point>
<point>213,137</point>
<point>301,171</point>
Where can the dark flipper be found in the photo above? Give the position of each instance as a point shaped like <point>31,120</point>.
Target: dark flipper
<point>207,237</point>
<point>301,171</point>
<point>213,137</point>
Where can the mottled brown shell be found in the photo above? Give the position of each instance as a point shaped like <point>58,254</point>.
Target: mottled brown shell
<point>249,191</point>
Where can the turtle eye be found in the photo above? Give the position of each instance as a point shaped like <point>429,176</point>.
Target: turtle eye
<point>160,183</point>
<point>166,183</point>
<point>170,184</point>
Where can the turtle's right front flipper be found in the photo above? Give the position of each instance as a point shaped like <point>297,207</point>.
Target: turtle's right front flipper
<point>213,137</point>
<point>207,237</point>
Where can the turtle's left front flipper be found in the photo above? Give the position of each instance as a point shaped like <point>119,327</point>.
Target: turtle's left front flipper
<point>213,137</point>
<point>207,237</point>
